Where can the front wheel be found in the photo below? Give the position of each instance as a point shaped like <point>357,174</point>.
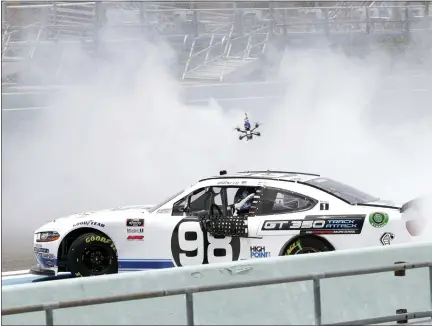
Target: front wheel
<point>306,245</point>
<point>92,254</point>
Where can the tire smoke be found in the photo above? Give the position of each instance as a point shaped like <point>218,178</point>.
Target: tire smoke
<point>123,136</point>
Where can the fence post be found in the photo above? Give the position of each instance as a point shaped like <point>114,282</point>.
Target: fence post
<point>49,317</point>
<point>195,19</point>
<point>143,16</point>
<point>325,12</point>
<point>272,23</point>
<point>430,285</point>
<point>368,22</point>
<point>317,300</point>
<point>98,22</point>
<point>189,309</point>
<point>407,21</point>
<point>400,312</point>
<point>4,11</point>
<point>400,272</point>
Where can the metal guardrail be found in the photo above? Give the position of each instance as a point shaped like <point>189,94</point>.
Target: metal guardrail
<point>399,269</point>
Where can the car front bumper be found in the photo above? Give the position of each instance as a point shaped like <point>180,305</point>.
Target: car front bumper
<point>46,259</point>
<point>40,270</point>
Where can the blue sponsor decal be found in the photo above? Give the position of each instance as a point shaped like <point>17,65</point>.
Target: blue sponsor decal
<point>46,259</point>
<point>259,252</point>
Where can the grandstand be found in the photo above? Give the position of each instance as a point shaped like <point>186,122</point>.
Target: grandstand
<point>215,41</point>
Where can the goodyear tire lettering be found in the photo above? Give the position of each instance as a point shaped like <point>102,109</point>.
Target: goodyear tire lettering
<point>97,239</point>
<point>293,246</point>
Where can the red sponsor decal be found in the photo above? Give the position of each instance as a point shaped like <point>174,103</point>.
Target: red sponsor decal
<point>135,237</point>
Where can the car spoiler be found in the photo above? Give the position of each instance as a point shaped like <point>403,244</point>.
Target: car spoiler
<point>381,206</point>
<point>414,202</point>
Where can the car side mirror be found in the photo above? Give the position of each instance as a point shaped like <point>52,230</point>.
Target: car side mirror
<point>180,209</point>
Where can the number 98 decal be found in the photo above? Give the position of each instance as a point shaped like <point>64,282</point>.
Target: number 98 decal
<point>191,246</point>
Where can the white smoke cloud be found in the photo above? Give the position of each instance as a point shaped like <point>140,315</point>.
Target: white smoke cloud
<point>127,138</point>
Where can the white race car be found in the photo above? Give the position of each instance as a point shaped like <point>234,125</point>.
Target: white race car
<point>247,215</point>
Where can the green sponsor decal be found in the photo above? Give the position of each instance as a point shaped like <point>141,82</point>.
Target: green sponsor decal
<point>378,220</point>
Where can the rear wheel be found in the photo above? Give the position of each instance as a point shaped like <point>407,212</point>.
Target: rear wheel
<point>92,254</point>
<point>306,245</point>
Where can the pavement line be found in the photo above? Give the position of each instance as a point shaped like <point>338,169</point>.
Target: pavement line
<point>14,273</point>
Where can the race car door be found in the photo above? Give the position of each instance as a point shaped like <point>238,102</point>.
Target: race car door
<point>272,226</point>
<point>191,244</point>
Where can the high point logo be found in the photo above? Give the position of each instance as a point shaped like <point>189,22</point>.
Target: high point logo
<point>259,252</point>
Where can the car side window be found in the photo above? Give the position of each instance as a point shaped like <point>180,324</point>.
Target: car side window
<point>240,200</point>
<point>199,201</point>
<point>281,201</point>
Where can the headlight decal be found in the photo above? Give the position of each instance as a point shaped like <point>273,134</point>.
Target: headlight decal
<point>47,236</point>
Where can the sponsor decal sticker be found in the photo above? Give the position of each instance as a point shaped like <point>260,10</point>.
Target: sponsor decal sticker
<point>135,230</point>
<point>324,206</point>
<point>164,211</point>
<point>91,223</point>
<point>135,238</point>
<point>135,222</point>
<point>39,249</point>
<point>387,238</point>
<point>259,252</point>
<point>49,256</point>
<point>320,224</point>
<point>225,182</point>
<point>378,219</point>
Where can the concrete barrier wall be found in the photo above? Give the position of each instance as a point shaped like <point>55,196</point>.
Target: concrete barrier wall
<point>342,299</point>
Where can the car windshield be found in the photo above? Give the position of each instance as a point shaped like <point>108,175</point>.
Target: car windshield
<point>343,191</point>
<point>151,210</point>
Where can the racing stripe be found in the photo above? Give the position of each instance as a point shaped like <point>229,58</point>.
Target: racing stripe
<point>145,264</point>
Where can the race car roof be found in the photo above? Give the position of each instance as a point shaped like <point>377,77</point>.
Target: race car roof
<point>273,175</point>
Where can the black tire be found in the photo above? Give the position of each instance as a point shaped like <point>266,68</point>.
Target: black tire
<point>306,245</point>
<point>92,254</point>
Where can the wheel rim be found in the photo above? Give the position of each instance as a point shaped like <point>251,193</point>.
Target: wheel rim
<point>97,260</point>
<point>307,250</point>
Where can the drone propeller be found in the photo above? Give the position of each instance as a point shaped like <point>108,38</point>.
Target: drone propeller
<point>237,129</point>
<point>257,124</point>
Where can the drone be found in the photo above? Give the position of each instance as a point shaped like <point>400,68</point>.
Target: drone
<point>248,132</point>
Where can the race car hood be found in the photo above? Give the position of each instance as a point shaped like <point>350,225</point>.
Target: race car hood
<point>105,214</point>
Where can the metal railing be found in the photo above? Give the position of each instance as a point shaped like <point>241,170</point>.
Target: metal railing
<point>399,269</point>
<point>204,55</point>
<point>28,28</point>
<point>261,32</point>
<point>239,48</point>
<point>245,54</point>
<point>211,18</point>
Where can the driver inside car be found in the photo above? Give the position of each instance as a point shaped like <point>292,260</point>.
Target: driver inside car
<point>243,200</point>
